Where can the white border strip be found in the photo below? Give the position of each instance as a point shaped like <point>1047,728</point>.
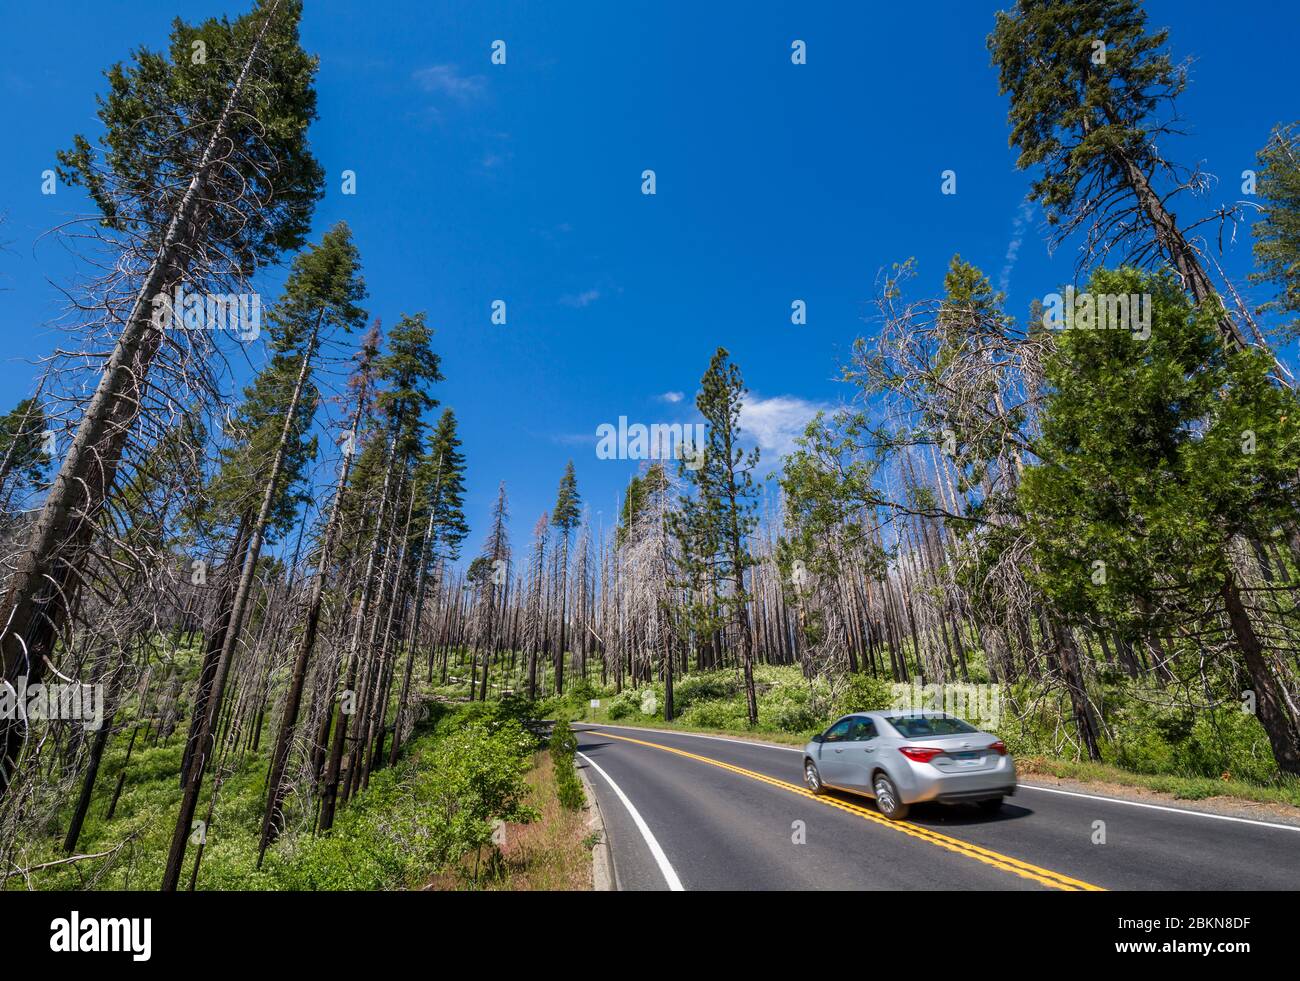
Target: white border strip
<point>674,883</point>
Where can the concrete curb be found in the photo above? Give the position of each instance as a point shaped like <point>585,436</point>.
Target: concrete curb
<point>603,878</point>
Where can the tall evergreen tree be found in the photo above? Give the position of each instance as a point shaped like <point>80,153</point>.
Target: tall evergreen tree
<point>1087,83</point>
<point>1158,456</point>
<point>721,509</point>
<point>361,384</point>
<point>409,369</point>
<point>1277,232</point>
<point>442,475</point>
<point>321,294</point>
<point>565,516</point>
<point>193,155</point>
<point>23,459</point>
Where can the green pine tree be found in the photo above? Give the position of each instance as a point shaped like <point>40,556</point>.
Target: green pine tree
<point>718,510</point>
<point>23,460</point>
<point>1277,232</point>
<point>1088,84</point>
<point>565,516</point>
<point>319,301</point>
<point>1157,456</point>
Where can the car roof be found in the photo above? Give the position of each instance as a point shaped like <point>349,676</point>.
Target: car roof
<point>899,714</point>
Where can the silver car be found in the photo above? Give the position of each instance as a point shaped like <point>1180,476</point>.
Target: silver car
<point>906,757</point>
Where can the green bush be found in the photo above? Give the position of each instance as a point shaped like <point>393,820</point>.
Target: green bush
<point>692,689</point>
<point>863,693</point>
<point>563,746</point>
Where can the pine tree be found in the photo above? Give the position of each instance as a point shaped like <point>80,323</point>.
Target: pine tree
<point>193,155</point>
<point>23,459</point>
<point>490,575</point>
<point>442,473</point>
<point>721,511</point>
<point>361,385</point>
<point>564,516</point>
<point>409,370</point>
<point>1157,455</point>
<point>321,294</point>
<point>439,486</point>
<point>1277,233</point>
<point>1086,82</point>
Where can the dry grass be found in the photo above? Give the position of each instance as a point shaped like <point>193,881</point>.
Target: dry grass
<point>552,853</point>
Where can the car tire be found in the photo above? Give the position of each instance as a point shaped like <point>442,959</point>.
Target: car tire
<point>812,778</point>
<point>888,801</point>
<point>991,806</point>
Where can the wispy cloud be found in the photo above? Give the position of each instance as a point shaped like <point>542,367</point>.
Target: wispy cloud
<point>775,423</point>
<point>1018,226</point>
<point>671,397</point>
<point>584,299</point>
<point>575,439</point>
<point>446,80</point>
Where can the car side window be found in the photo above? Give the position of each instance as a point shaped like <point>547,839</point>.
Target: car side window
<point>839,732</point>
<point>860,730</point>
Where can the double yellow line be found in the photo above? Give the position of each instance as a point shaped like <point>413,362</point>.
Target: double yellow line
<point>1053,880</point>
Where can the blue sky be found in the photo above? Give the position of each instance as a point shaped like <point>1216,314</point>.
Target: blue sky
<point>522,182</point>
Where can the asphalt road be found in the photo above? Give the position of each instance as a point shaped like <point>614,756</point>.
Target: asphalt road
<point>698,812</point>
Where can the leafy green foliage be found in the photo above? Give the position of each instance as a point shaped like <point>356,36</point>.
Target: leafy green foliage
<point>408,369</point>
<point>1155,454</point>
<point>1277,232</point>
<point>22,447</point>
<point>568,504</point>
<point>563,746</point>
<point>160,113</point>
<point>463,773</point>
<point>320,299</point>
<point>1071,115</point>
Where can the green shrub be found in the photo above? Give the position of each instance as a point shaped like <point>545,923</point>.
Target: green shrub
<point>563,746</point>
<point>863,693</point>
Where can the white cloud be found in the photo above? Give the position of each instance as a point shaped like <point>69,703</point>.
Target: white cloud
<point>447,80</point>
<point>583,299</point>
<point>1013,247</point>
<point>672,397</point>
<point>775,423</point>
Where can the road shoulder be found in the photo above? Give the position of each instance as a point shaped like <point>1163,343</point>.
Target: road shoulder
<point>603,878</point>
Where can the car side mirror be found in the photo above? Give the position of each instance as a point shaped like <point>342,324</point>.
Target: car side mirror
<point>819,738</point>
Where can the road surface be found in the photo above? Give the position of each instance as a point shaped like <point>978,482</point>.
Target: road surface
<point>700,812</point>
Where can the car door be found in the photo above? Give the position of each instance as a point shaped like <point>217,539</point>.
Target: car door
<point>859,754</point>
<point>831,762</point>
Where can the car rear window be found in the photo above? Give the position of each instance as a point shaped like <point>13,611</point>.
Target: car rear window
<point>920,726</point>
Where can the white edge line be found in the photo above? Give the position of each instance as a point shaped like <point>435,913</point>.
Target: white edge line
<point>1161,807</point>
<point>1026,786</point>
<point>674,883</point>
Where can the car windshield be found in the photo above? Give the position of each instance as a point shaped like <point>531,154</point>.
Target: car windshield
<point>920,726</point>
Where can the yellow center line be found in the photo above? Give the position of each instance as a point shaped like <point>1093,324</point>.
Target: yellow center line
<point>997,860</point>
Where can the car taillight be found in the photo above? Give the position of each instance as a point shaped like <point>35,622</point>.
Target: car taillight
<point>999,747</point>
<point>919,754</point>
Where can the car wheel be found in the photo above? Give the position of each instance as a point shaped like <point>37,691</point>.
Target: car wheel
<point>991,806</point>
<point>812,778</point>
<point>887,800</point>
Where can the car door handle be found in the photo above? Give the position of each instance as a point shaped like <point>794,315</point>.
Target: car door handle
<point>839,750</point>
<point>868,749</point>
